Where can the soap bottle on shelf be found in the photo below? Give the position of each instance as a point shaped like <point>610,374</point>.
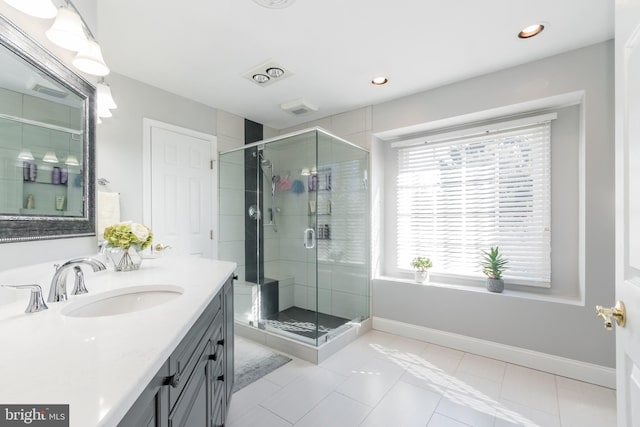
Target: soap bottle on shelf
<point>30,204</point>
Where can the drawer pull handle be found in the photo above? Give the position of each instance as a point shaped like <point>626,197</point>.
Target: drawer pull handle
<point>173,380</point>
<point>213,356</point>
<point>220,378</point>
<point>235,277</point>
<point>220,342</point>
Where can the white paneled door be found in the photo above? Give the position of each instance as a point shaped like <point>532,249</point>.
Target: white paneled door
<point>181,207</point>
<point>627,77</point>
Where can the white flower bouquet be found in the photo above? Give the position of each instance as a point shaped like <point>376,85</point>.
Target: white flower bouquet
<point>128,234</point>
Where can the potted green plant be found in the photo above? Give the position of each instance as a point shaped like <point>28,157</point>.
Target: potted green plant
<point>493,265</point>
<point>421,266</point>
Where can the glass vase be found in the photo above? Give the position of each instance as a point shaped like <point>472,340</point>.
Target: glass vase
<point>124,259</point>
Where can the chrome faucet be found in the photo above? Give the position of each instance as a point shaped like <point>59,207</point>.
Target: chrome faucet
<point>58,289</point>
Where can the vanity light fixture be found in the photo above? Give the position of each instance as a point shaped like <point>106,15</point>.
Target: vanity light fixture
<point>530,31</point>
<point>72,160</point>
<point>25,154</point>
<point>44,9</point>
<point>105,113</point>
<point>50,157</point>
<point>70,31</point>
<point>67,30</point>
<point>380,80</point>
<point>105,99</point>
<point>305,172</point>
<point>89,60</point>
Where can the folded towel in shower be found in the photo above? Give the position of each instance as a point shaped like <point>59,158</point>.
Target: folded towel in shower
<point>297,186</point>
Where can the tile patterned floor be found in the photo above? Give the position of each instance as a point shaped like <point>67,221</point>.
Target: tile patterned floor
<point>386,380</point>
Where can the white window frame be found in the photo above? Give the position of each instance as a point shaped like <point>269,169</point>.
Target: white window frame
<point>470,133</point>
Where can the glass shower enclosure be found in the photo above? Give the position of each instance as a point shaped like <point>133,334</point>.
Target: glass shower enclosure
<point>294,216</point>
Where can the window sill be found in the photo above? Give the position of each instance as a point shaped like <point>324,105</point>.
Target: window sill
<point>509,293</point>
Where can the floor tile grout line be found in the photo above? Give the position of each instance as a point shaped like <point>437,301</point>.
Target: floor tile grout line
<point>555,382</point>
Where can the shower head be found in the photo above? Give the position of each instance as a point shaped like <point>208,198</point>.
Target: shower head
<point>265,163</point>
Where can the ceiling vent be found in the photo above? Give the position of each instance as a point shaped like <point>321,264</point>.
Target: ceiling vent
<point>267,74</point>
<point>298,107</point>
<point>49,91</point>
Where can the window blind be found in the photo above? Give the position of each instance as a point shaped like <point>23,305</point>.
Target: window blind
<point>459,197</point>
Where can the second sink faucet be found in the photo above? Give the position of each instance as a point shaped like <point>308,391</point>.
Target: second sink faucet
<point>58,289</point>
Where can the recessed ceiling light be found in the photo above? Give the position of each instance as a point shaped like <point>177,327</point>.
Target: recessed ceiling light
<point>260,78</point>
<point>275,72</point>
<point>380,80</point>
<point>530,31</point>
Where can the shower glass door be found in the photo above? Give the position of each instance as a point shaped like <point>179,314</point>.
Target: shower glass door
<point>342,212</point>
<point>290,237</point>
<point>294,216</point>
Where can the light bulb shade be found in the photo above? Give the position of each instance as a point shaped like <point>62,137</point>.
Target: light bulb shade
<point>90,60</point>
<point>67,31</point>
<point>44,9</point>
<point>305,172</point>
<point>50,157</point>
<point>104,112</point>
<point>105,100</point>
<point>72,160</point>
<point>25,154</point>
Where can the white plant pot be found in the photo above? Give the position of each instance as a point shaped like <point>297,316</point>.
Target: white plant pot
<point>422,276</point>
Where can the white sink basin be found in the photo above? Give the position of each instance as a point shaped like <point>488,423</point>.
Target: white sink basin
<point>121,301</point>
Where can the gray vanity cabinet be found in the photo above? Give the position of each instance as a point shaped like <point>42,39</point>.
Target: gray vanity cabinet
<point>193,388</point>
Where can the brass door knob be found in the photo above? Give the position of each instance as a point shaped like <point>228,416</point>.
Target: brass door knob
<point>617,312</point>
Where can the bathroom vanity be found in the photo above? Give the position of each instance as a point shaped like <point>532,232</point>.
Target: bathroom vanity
<point>193,387</point>
<point>152,347</point>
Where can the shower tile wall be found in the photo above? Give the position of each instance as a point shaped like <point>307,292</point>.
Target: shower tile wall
<point>231,238</point>
<point>253,259</point>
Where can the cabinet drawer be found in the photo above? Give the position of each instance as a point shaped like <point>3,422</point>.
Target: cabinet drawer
<point>217,378</point>
<point>185,357</point>
<point>191,408</point>
<point>218,418</point>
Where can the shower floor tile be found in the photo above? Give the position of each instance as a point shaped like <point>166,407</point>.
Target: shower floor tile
<point>303,322</point>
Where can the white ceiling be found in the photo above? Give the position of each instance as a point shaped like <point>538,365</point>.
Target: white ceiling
<point>200,48</point>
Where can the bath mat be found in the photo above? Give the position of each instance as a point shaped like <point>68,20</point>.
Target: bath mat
<point>253,361</point>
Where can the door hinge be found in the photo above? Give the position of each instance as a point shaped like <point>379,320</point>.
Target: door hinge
<point>211,164</point>
<point>211,234</point>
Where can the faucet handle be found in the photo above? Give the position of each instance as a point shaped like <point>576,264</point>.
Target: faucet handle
<point>36,302</point>
<point>78,285</point>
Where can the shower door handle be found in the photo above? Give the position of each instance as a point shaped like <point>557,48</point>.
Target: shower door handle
<point>309,238</point>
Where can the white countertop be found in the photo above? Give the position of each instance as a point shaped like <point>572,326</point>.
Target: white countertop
<point>98,365</point>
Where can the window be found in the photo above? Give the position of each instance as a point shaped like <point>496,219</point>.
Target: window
<point>458,194</point>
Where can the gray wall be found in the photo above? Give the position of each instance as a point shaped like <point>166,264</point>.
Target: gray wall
<point>565,330</point>
<point>565,327</point>
<point>558,328</point>
<point>119,142</point>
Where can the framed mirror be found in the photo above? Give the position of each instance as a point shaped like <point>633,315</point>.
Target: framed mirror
<point>47,143</point>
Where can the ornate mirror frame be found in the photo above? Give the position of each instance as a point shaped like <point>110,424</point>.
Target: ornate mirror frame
<point>21,227</point>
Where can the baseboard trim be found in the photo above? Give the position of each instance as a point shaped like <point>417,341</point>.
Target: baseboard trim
<point>570,368</point>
